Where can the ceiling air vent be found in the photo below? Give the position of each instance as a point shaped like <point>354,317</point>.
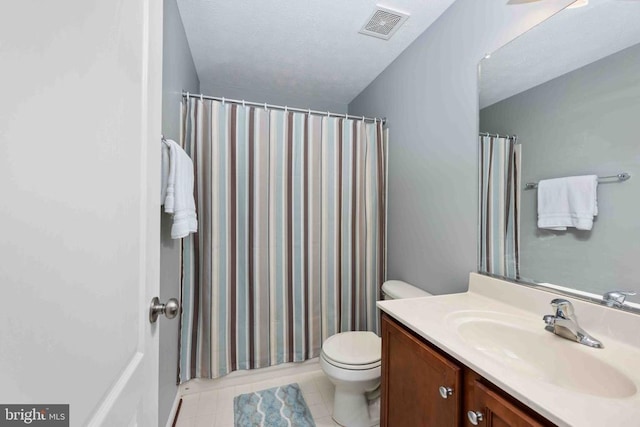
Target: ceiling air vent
<point>383,23</point>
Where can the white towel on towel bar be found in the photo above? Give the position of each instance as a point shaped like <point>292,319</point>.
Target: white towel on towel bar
<point>567,202</point>
<point>178,195</point>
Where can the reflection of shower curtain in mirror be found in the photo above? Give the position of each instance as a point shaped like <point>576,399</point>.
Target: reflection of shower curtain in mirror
<point>290,248</point>
<point>499,244</point>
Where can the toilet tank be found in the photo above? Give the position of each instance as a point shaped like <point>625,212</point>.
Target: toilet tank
<point>397,289</point>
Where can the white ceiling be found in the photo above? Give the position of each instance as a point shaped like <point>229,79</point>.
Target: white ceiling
<point>309,48</point>
<point>565,42</point>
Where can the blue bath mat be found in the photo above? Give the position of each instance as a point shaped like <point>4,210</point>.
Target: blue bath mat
<point>281,406</point>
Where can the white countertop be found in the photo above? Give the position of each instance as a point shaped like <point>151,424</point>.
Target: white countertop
<point>437,320</point>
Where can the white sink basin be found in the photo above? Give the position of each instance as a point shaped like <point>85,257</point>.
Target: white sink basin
<point>525,346</point>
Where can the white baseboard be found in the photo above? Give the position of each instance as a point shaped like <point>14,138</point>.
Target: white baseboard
<point>174,409</point>
<point>199,385</point>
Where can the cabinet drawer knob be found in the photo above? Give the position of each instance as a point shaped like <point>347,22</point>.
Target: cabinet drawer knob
<point>475,417</point>
<point>445,391</point>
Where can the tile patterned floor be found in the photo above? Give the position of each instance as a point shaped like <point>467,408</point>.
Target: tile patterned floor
<point>210,403</point>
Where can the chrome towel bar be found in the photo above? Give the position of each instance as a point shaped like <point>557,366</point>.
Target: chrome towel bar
<point>620,177</point>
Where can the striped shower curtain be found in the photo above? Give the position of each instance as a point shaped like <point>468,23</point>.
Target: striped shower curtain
<point>499,217</point>
<point>290,249</point>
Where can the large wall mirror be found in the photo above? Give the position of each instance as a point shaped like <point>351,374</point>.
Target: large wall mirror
<point>569,89</point>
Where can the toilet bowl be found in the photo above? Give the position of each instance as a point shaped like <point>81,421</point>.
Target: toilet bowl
<point>352,360</point>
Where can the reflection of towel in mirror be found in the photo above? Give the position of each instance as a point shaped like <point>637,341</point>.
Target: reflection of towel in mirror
<point>567,202</point>
<point>178,199</point>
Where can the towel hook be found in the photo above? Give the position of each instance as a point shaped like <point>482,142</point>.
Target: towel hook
<point>265,107</point>
<point>362,119</point>
<point>243,103</point>
<point>309,111</point>
<point>328,114</point>
<point>285,109</point>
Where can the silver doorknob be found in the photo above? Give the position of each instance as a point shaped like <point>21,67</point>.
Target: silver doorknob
<point>445,391</point>
<point>475,417</point>
<point>170,309</point>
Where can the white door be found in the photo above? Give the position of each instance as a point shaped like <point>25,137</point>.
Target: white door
<point>80,99</point>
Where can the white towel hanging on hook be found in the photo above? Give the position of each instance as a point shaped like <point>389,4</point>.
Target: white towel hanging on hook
<point>177,189</point>
<point>164,168</point>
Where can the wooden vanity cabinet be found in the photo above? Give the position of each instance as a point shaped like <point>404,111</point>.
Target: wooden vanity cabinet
<point>413,372</point>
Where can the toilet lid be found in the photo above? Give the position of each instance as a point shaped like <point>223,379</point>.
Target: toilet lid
<point>353,348</point>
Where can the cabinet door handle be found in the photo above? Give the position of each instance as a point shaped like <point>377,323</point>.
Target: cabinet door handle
<point>475,417</point>
<point>445,392</point>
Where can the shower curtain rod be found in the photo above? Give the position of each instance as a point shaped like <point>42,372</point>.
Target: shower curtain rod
<point>284,108</point>
<point>495,135</point>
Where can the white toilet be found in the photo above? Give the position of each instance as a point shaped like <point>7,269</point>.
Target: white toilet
<point>351,360</point>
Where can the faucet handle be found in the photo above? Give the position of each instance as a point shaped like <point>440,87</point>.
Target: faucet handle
<point>616,298</point>
<point>564,308</point>
<point>549,319</point>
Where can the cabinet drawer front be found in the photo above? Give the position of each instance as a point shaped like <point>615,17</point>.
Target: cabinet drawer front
<point>412,374</point>
<point>499,412</point>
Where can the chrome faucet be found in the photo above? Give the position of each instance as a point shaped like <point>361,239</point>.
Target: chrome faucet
<point>565,324</point>
<point>616,298</point>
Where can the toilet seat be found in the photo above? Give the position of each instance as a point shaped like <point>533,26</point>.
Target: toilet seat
<point>356,350</point>
<point>348,366</point>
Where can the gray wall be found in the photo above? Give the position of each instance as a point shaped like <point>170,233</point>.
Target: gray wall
<point>179,73</point>
<point>584,122</point>
<point>280,98</point>
<point>429,95</point>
